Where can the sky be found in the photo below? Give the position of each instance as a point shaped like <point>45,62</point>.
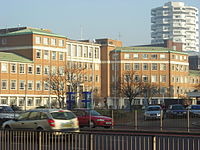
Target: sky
<point>125,20</point>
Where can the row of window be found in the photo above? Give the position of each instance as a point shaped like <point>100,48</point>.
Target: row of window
<point>38,68</point>
<point>49,41</point>
<point>46,55</point>
<point>153,56</point>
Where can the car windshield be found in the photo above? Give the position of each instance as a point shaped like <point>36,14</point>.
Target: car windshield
<point>153,109</point>
<point>178,107</point>
<point>196,107</point>
<point>93,113</point>
<point>63,115</point>
<point>6,109</point>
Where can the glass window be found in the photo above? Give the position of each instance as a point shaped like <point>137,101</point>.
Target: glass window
<point>135,56</point>
<point>37,40</point>
<point>62,115</point>
<point>30,101</point>
<point>61,43</point>
<point>145,56</point>
<point>145,78</point>
<point>54,55</point>
<point>38,69</point>
<point>4,67</point>
<point>53,42</point>
<point>46,41</point>
<point>13,84</point>
<point>30,69</point>
<point>154,66</point>
<point>46,54</point>
<point>21,68</point>
<point>153,78</point>
<point>21,84</point>
<point>162,56</point>
<point>23,116</point>
<point>154,56</point>
<point>38,85</point>
<point>127,66</point>
<point>163,67</point>
<point>145,66</point>
<point>34,116</point>
<point>4,84</point>
<point>136,66</point>
<point>127,56</point>
<point>13,68</point>
<point>163,78</point>
<point>38,53</point>
<point>61,56</point>
<point>30,85</point>
<point>46,70</point>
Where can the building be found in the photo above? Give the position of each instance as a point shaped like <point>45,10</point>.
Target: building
<point>177,22</point>
<point>29,55</point>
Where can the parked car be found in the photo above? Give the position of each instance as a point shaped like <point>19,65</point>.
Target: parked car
<point>6,113</point>
<point>176,110</point>
<point>194,110</point>
<point>45,119</point>
<point>153,112</point>
<point>90,117</point>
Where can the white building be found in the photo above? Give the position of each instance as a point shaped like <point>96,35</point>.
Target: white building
<point>176,22</point>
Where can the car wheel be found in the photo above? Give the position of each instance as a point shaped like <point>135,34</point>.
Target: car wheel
<point>92,124</point>
<point>7,127</point>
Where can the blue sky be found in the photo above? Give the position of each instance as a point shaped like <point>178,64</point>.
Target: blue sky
<point>95,18</point>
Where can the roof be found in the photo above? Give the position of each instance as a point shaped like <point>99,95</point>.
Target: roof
<point>11,57</point>
<point>194,72</point>
<point>32,31</point>
<point>146,49</point>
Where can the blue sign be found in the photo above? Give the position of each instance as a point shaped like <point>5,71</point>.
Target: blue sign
<point>87,99</point>
<point>70,100</point>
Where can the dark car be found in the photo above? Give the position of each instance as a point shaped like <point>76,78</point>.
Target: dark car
<point>90,117</point>
<point>176,110</point>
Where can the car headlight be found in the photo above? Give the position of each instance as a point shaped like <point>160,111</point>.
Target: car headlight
<point>100,119</point>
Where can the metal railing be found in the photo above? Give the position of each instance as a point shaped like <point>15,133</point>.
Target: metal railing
<point>98,140</point>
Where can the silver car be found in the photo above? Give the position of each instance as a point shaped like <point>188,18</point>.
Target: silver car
<point>152,112</point>
<point>45,119</point>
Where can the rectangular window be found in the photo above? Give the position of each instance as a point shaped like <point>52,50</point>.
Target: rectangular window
<point>4,67</point>
<point>37,40</point>
<point>127,56</point>
<point>154,66</point>
<point>46,70</point>
<point>163,78</point>
<point>154,56</point>
<point>46,54</point>
<point>61,43</point>
<point>54,55</point>
<point>145,66</point>
<point>38,53</point>
<point>54,71</point>
<point>162,56</point>
<point>137,78</point>
<point>135,56</point>
<point>21,68</point>
<point>13,68</point>
<point>38,69</point>
<point>30,69</point>
<point>145,56</point>
<point>4,84</point>
<point>46,41</point>
<point>21,84</point>
<point>30,85</point>
<point>136,66</point>
<point>127,66</point>
<point>153,78</point>
<point>13,84</point>
<point>145,78</point>
<point>38,85</point>
<point>46,86</point>
<point>61,56</point>
<point>53,42</point>
<point>163,67</point>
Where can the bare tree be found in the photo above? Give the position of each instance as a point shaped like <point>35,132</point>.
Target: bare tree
<point>64,80</point>
<point>130,87</point>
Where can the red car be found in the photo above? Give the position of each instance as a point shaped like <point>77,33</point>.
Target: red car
<point>89,117</point>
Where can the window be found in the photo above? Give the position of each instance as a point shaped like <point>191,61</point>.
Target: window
<point>21,68</point>
<point>154,56</point>
<point>154,66</point>
<point>4,84</point>
<point>4,67</point>
<point>145,56</point>
<point>30,69</point>
<point>96,53</point>
<point>145,66</point>
<point>127,66</point>
<point>145,78</point>
<point>162,56</point>
<point>13,84</point>
<point>163,67</point>
<point>54,55</point>
<point>46,70</point>
<point>38,53</point>
<point>4,41</point>
<point>54,71</point>
<point>85,52</point>
<point>136,78</point>
<point>13,68</point>
<point>46,54</point>
<point>153,78</point>
<point>37,40</point>
<point>53,42</point>
<point>136,66</point>
<point>38,85</point>
<point>46,41</point>
<point>30,101</point>
<point>61,56</point>
<point>30,85</point>
<point>127,56</point>
<point>163,78</point>
<point>135,56</point>
<point>61,71</point>
<point>97,78</point>
<point>21,84</point>
<point>46,86</point>
<point>61,43</point>
<point>38,69</point>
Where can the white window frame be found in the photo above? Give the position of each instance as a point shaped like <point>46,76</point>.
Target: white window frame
<point>3,81</point>
<point>11,84</point>
<point>4,67</point>
<point>13,68</point>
